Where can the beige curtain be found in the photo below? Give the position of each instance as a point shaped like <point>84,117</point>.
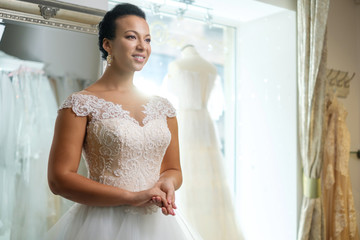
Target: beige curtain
<point>312,18</point>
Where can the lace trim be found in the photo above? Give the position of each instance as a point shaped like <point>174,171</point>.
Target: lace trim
<point>77,106</point>
<point>127,209</point>
<point>141,210</point>
<point>98,108</point>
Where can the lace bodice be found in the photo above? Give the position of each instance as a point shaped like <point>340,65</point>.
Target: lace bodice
<point>118,150</point>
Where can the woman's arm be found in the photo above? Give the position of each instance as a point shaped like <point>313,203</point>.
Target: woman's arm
<point>64,161</point>
<point>170,172</point>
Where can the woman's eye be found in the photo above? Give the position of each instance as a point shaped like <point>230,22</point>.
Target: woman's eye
<point>131,37</point>
<point>148,40</point>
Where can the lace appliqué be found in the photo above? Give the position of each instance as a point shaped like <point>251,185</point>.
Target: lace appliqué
<point>340,215</point>
<point>78,105</point>
<point>98,108</point>
<point>330,177</point>
<point>141,210</point>
<point>120,152</point>
<point>158,107</point>
<point>352,215</point>
<point>337,195</point>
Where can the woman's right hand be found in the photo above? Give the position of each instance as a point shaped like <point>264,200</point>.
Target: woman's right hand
<point>152,196</point>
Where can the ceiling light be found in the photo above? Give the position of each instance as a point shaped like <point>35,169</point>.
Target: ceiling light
<point>2,28</point>
<point>180,13</point>
<point>208,19</point>
<point>155,9</point>
<point>185,1</point>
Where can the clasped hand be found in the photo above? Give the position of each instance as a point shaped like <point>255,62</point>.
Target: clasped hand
<point>162,194</point>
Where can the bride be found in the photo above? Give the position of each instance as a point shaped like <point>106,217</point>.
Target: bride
<point>129,142</point>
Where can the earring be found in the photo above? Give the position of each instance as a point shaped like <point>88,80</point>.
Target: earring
<point>109,60</point>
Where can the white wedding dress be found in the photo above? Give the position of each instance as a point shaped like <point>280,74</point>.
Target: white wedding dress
<point>125,153</point>
<point>205,195</point>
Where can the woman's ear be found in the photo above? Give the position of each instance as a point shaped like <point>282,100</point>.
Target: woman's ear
<point>107,45</point>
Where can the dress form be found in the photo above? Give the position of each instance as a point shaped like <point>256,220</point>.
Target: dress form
<point>204,197</point>
<point>192,61</point>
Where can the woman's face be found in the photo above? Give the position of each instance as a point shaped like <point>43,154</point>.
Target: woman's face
<point>131,47</point>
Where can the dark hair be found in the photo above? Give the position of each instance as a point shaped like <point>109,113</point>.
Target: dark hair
<point>107,26</point>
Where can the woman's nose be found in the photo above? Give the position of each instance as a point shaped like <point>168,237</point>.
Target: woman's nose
<point>141,45</point>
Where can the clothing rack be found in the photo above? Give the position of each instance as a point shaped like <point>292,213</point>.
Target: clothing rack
<point>10,64</point>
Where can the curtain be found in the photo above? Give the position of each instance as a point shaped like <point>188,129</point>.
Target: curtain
<point>312,18</point>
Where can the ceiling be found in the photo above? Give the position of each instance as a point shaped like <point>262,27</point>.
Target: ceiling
<point>240,10</point>
<point>228,10</point>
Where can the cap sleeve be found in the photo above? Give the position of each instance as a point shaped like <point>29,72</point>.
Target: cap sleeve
<point>164,107</point>
<point>78,104</point>
<point>158,107</point>
<point>169,109</point>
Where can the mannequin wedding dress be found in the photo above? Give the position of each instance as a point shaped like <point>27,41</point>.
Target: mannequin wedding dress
<point>204,196</point>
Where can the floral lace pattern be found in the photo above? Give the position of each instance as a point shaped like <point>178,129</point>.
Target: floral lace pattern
<point>339,210</point>
<point>118,150</point>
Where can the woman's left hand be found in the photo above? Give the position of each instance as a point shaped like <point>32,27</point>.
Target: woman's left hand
<point>167,187</point>
<point>170,171</point>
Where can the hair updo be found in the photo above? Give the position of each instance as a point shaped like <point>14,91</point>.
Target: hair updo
<point>107,26</point>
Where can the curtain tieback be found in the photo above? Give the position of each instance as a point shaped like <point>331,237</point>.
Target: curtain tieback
<point>312,187</point>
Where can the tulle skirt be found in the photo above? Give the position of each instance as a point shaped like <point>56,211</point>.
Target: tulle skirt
<point>84,222</point>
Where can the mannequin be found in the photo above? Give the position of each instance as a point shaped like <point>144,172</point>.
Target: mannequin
<point>204,197</point>
<point>191,60</point>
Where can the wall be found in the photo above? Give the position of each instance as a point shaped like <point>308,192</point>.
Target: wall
<point>64,52</point>
<point>289,4</point>
<point>267,164</point>
<point>99,4</point>
<point>344,54</point>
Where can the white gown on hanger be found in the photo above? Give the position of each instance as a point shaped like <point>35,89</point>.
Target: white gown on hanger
<point>27,101</point>
<point>205,196</point>
<point>8,166</point>
<point>122,152</point>
<point>35,105</point>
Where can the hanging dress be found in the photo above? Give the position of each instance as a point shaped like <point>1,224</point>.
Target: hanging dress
<point>8,166</point>
<point>338,201</point>
<point>28,103</point>
<point>204,197</point>
<point>35,103</point>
